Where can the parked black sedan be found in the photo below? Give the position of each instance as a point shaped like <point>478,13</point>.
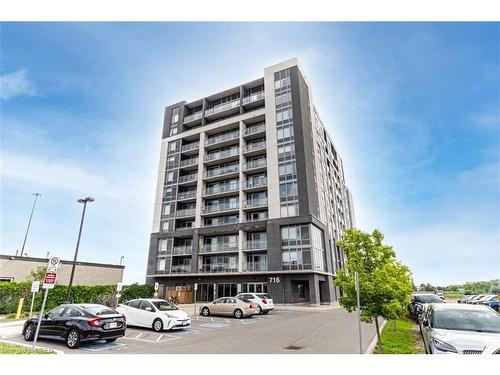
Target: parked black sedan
<point>419,303</point>
<point>76,323</point>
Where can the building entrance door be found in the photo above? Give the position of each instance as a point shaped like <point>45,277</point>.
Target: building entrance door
<point>255,288</point>
<point>205,293</point>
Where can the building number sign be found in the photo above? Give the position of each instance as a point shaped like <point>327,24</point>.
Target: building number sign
<point>274,280</point>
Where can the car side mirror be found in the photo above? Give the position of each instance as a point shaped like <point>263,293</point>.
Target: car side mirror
<point>47,316</point>
<point>425,323</point>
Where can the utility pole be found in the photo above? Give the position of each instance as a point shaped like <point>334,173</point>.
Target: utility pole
<point>29,221</point>
<point>84,201</point>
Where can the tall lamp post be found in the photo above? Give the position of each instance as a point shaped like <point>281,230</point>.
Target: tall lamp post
<point>29,221</point>
<point>84,201</point>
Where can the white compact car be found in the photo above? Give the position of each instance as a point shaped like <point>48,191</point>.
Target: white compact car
<point>157,314</point>
<point>264,301</point>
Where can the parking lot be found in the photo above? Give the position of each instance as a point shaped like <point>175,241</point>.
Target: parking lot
<point>285,330</point>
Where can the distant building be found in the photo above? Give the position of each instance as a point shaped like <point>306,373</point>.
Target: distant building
<point>15,268</point>
<point>251,195</point>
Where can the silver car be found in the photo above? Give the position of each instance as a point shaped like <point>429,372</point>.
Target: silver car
<point>459,328</point>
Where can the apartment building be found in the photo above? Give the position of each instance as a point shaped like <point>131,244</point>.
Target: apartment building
<point>251,195</point>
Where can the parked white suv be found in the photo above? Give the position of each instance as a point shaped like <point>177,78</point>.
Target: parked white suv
<point>264,300</point>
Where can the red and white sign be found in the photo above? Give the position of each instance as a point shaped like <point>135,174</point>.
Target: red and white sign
<point>49,280</point>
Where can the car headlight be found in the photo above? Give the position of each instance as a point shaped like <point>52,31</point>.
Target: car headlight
<point>169,316</point>
<point>443,346</point>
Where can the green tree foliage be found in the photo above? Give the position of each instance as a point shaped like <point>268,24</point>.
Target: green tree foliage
<point>38,274</point>
<point>137,291</point>
<point>385,283</point>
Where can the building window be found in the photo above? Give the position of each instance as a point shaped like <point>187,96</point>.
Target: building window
<point>288,191</point>
<point>289,209</point>
<point>172,147</point>
<point>175,116</point>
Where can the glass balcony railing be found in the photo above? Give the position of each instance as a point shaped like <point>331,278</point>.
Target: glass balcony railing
<point>188,162</point>
<point>183,250</point>
<point>254,146</point>
<point>186,212</point>
<point>251,203</point>
<point>218,268</point>
<point>251,219</point>
<point>255,267</point>
<point>222,137</point>
<point>255,183</point>
<point>188,177</point>
<point>219,208</point>
<point>221,221</point>
<point>254,97</point>
<point>181,269</point>
<point>223,107</point>
<point>220,189</point>
<point>252,164</point>
<point>256,245</point>
<point>222,154</point>
<point>194,116</point>
<point>219,248</point>
<point>255,129</point>
<point>190,146</point>
<point>186,194</point>
<point>221,171</point>
<point>185,225</point>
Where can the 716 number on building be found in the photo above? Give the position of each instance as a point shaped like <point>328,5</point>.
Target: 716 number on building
<point>274,280</point>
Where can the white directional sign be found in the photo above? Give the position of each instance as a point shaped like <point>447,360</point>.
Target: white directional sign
<point>35,286</point>
<point>195,286</point>
<point>119,287</point>
<point>157,286</point>
<point>54,263</point>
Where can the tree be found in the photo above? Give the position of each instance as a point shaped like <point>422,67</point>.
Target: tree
<point>38,274</point>
<point>385,285</point>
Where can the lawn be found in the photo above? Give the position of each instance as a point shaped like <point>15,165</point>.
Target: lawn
<point>453,295</point>
<point>6,348</point>
<point>403,339</point>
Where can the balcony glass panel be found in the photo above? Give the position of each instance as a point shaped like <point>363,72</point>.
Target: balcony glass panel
<point>188,177</point>
<point>254,183</point>
<point>185,212</point>
<point>222,154</point>
<point>186,194</point>
<point>222,107</point>
<point>187,162</point>
<point>181,250</point>
<point>254,97</point>
<point>222,137</point>
<point>190,146</point>
<point>194,116</point>
<point>255,129</point>
<point>222,171</point>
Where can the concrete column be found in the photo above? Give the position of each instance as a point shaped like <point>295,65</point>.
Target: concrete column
<point>241,244</point>
<point>199,186</point>
<point>314,290</point>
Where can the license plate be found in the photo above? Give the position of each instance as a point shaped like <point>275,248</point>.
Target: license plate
<point>113,325</point>
<point>184,323</point>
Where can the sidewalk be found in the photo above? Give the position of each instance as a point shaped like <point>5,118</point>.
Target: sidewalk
<point>190,307</point>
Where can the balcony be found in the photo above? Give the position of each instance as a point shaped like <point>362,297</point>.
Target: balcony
<point>181,269</point>
<point>190,194</point>
<point>188,212</point>
<point>250,219</point>
<point>222,171</point>
<point>254,203</point>
<point>255,184</point>
<point>217,208</point>
<point>226,155</point>
<point>192,162</point>
<point>255,267</point>
<point>257,165</point>
<point>221,221</point>
<point>218,268</point>
<point>190,148</point>
<point>254,131</point>
<point>183,250</point>
<point>254,98</point>
<point>218,248</point>
<point>228,106</point>
<point>184,225</point>
<point>221,189</point>
<point>193,117</point>
<point>222,138</point>
<point>255,245</point>
<point>189,178</point>
<point>254,148</point>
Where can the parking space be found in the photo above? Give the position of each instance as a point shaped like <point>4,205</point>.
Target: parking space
<point>312,331</point>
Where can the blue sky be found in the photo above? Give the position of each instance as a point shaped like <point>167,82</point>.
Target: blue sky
<point>414,109</point>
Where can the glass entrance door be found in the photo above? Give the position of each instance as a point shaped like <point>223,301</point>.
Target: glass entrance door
<point>255,288</point>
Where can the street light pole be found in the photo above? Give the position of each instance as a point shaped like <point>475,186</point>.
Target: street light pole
<point>121,259</point>
<point>29,221</point>
<point>84,201</point>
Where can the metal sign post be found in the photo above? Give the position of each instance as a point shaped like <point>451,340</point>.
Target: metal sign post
<point>356,286</point>
<point>35,287</point>
<point>195,289</point>
<point>119,288</point>
<point>40,318</point>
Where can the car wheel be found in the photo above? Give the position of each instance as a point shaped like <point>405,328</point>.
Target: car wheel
<point>205,311</point>
<point>73,339</point>
<point>238,314</point>
<point>260,311</point>
<point>265,312</point>
<point>158,325</point>
<point>111,340</point>
<point>29,332</point>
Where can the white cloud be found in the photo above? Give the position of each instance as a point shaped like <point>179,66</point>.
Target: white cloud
<point>59,174</point>
<point>16,84</point>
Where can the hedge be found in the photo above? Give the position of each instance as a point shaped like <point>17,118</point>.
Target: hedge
<point>11,292</point>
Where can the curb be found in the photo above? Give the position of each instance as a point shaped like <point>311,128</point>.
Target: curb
<point>372,345</point>
<point>30,346</point>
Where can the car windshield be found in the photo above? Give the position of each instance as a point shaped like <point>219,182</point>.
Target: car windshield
<point>100,310</point>
<point>164,306</point>
<point>430,298</point>
<point>467,320</point>
<point>264,296</point>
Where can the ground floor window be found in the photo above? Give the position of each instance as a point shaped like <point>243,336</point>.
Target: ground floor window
<point>227,290</point>
<point>254,288</point>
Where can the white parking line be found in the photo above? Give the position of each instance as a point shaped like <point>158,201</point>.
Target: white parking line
<point>159,338</point>
<point>139,335</point>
